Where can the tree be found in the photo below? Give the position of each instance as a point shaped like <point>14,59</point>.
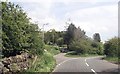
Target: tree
<point>79,34</point>
<point>77,41</point>
<point>14,21</point>
<point>69,36</point>
<point>48,38</point>
<point>96,37</point>
<point>80,47</point>
<point>111,47</point>
<point>60,41</point>
<point>18,33</point>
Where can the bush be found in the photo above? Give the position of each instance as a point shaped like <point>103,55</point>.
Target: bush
<point>45,63</point>
<point>86,47</point>
<point>18,33</point>
<point>52,49</point>
<point>78,46</point>
<point>60,41</point>
<point>94,44</point>
<point>111,47</point>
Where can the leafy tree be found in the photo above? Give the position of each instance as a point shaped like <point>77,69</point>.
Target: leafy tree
<point>69,36</point>
<point>79,46</point>
<point>48,37</point>
<point>79,34</point>
<point>18,33</point>
<point>60,41</point>
<point>96,37</point>
<point>111,47</point>
<point>54,37</point>
<point>77,41</point>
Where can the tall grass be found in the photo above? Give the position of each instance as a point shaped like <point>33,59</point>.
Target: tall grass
<point>112,59</point>
<point>45,62</point>
<point>52,49</point>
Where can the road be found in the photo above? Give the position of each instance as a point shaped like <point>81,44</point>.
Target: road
<point>90,65</point>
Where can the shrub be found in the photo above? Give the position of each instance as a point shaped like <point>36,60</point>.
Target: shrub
<point>18,33</point>
<point>86,47</point>
<point>45,63</point>
<point>111,47</point>
<point>78,46</point>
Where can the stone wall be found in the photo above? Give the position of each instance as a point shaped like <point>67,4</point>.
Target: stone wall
<point>16,63</point>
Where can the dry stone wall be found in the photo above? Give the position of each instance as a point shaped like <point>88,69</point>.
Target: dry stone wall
<point>16,63</point>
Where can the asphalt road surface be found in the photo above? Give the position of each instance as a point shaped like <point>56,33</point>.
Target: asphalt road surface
<point>90,65</point>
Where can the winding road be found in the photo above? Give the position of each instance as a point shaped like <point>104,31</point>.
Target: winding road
<point>90,65</point>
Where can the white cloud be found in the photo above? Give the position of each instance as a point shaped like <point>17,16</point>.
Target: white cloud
<point>64,1</point>
<point>102,19</point>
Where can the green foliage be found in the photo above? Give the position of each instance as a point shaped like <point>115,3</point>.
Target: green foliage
<point>86,47</point>
<point>77,46</point>
<point>111,47</point>
<point>44,64</point>
<point>18,33</point>
<point>77,41</point>
<point>69,34</point>
<point>96,37</point>
<point>54,37</point>
<point>75,54</point>
<point>113,59</point>
<point>74,34</point>
<point>94,44</point>
<point>52,49</point>
<point>60,41</point>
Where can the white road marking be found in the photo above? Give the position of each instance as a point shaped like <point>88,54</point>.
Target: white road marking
<point>72,59</point>
<point>63,62</point>
<point>87,64</point>
<point>93,71</point>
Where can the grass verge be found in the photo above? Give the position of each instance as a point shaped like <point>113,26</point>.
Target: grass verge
<point>74,54</point>
<point>52,49</point>
<point>112,59</point>
<point>45,63</point>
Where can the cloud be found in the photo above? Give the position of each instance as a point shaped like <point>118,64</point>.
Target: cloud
<point>96,17</point>
<point>101,19</point>
<point>65,1</point>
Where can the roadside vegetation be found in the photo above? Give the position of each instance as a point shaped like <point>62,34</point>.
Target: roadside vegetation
<point>23,48</point>
<point>80,44</point>
<point>22,43</point>
<point>46,62</point>
<point>112,50</point>
<point>52,49</point>
<point>74,54</point>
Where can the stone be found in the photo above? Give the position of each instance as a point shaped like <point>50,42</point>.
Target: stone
<point>14,67</point>
<point>5,70</point>
<point>1,67</point>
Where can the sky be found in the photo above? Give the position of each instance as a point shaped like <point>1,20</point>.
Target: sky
<point>92,16</point>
